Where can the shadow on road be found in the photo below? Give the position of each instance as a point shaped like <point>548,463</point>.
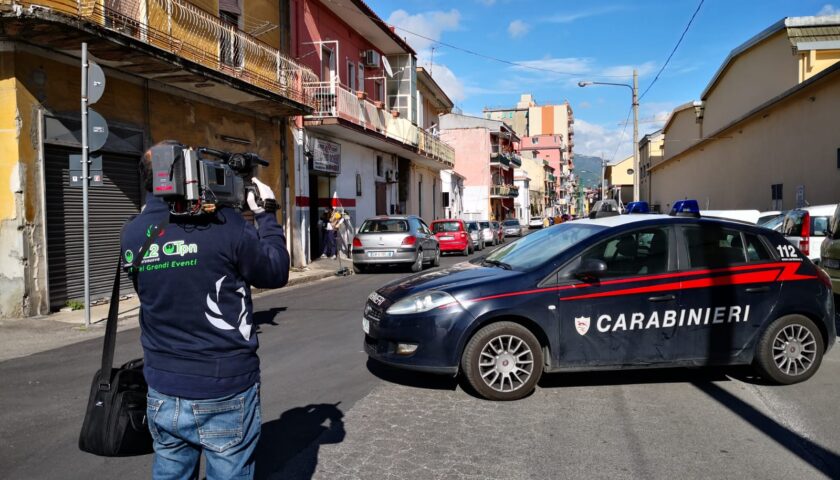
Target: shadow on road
<point>298,432</point>
<point>409,378</point>
<point>267,316</point>
<point>632,377</point>
<point>815,455</point>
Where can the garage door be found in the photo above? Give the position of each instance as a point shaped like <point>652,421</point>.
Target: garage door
<point>110,206</point>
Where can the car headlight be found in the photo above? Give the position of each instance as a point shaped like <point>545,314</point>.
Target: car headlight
<point>421,302</point>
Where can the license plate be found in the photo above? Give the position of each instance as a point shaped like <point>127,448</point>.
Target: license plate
<point>366,325</point>
<point>380,254</point>
<point>447,238</point>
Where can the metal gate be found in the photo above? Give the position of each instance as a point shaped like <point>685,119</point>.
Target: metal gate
<point>111,205</point>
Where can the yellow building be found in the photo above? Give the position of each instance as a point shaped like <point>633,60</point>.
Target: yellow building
<point>619,179</point>
<point>764,131</point>
<point>650,155</point>
<point>175,70</point>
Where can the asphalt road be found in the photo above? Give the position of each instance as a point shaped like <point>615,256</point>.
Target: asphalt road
<point>330,414</point>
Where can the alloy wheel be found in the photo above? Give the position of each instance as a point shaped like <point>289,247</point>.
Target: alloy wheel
<point>506,363</point>
<point>794,349</point>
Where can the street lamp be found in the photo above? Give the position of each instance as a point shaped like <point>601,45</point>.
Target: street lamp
<point>635,90</point>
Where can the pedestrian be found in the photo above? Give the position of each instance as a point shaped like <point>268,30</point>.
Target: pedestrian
<point>546,222</point>
<point>329,236</point>
<point>196,328</point>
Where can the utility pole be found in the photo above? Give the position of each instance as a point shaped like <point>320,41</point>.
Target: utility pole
<point>603,176</point>
<point>85,182</point>
<point>635,135</point>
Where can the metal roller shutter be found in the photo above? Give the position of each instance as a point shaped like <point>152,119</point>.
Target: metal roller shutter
<point>110,206</point>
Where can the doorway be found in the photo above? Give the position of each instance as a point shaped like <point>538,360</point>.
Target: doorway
<point>381,199</point>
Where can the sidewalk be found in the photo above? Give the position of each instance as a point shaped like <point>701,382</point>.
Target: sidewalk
<point>25,336</point>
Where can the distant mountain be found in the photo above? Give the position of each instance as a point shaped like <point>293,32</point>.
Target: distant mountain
<point>592,176</point>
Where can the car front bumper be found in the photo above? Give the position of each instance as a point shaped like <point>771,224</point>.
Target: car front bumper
<point>436,333</point>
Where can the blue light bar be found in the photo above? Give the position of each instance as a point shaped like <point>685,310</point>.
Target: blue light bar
<point>686,208</point>
<point>638,207</point>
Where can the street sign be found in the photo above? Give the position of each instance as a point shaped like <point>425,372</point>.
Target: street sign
<point>75,163</point>
<point>800,196</point>
<point>96,82</point>
<point>76,177</point>
<point>97,130</point>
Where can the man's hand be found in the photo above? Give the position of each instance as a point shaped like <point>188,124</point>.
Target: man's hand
<point>266,201</point>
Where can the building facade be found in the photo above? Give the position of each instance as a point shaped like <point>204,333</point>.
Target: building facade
<point>452,184</point>
<point>619,181</point>
<point>650,155</point>
<point>174,69</point>
<point>370,147</point>
<point>486,160</point>
<point>763,134</point>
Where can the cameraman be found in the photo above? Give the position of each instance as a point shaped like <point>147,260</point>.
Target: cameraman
<point>196,324</point>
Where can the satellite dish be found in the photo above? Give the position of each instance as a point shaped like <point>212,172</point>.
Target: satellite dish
<point>387,66</point>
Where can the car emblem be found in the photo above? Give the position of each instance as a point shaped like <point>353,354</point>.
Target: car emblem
<point>582,325</point>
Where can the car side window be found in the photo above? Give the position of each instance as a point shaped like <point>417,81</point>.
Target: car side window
<point>711,246</point>
<point>642,252</point>
<point>756,250</point>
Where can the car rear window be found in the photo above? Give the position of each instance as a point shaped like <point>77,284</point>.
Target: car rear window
<point>485,224</point>
<point>710,246</point>
<point>512,223</point>
<point>384,226</point>
<point>792,224</point>
<point>819,225</point>
<point>472,226</point>
<point>439,227</point>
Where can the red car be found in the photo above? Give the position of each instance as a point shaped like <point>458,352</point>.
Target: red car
<point>452,236</point>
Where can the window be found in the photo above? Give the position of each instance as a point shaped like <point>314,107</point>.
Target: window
<point>776,196</point>
<point>351,76</point>
<point>445,198</point>
<point>710,246</point>
<point>380,167</point>
<point>535,140</point>
<point>756,251</point>
<point>378,91</point>
<point>439,227</point>
<point>819,225</point>
<point>642,252</point>
<point>384,226</point>
<point>536,249</point>
<point>230,46</point>
<point>360,84</point>
<point>327,65</point>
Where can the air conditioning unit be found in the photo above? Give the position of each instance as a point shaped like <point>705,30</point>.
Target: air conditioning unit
<point>391,176</point>
<point>371,58</point>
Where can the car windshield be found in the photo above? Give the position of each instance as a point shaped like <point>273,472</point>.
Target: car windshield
<point>472,226</point>
<point>485,224</point>
<point>439,227</point>
<point>511,223</point>
<point>536,249</point>
<point>384,225</point>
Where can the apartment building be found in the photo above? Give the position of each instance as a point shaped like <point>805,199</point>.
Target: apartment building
<point>200,72</point>
<point>486,159</point>
<point>371,146</point>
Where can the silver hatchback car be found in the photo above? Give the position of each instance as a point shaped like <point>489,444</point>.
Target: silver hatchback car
<point>395,240</point>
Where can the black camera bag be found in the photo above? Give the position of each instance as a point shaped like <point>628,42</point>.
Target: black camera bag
<point>115,418</point>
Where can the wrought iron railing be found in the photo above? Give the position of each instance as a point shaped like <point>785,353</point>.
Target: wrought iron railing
<point>504,191</point>
<point>183,29</point>
<point>333,100</point>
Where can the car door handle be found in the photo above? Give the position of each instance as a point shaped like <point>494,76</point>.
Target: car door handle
<point>663,298</point>
<point>758,289</point>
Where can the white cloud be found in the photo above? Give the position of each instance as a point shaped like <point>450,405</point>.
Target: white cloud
<point>518,28</point>
<point>627,70</point>
<point>574,16</point>
<point>572,65</point>
<point>613,143</point>
<point>428,26</point>
<point>449,82</point>
<point>829,9</point>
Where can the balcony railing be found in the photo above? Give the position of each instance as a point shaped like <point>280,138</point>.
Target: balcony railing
<point>504,191</point>
<point>499,159</point>
<point>515,160</point>
<point>183,29</point>
<point>333,100</point>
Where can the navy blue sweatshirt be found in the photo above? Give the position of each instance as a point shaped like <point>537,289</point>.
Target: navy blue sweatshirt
<point>194,282</point>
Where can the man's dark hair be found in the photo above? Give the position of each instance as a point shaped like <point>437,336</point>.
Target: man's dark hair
<point>145,165</point>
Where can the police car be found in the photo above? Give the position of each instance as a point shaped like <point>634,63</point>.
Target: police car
<point>626,291</point>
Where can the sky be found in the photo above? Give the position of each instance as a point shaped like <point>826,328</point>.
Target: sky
<point>596,40</point>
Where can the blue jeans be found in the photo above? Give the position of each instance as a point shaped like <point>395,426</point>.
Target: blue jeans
<point>226,429</point>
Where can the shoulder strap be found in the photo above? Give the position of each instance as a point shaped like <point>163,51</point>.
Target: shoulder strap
<point>114,307</point>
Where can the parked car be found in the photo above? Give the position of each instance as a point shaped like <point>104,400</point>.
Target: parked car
<point>768,216</point>
<point>452,236</point>
<point>395,240</point>
<point>475,235</point>
<point>806,228</point>
<point>500,231</point>
<point>512,228</point>
<point>749,216</point>
<point>773,222</point>
<point>491,237</point>
<point>535,222</point>
<point>830,252</point>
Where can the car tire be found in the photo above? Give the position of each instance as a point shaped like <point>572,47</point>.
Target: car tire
<point>490,378</point>
<point>359,268</point>
<point>436,260</point>
<point>466,251</point>
<point>798,341</point>
<point>417,266</point>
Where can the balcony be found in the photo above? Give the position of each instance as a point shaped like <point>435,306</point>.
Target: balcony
<point>336,103</point>
<point>500,160</point>
<point>515,160</point>
<point>551,178</point>
<point>504,191</point>
<point>169,41</point>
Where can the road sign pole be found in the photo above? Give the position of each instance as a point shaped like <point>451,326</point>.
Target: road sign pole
<point>85,180</point>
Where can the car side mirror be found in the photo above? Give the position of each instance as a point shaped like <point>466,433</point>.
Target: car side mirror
<point>590,269</point>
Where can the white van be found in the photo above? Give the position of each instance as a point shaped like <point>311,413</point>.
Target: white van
<point>749,216</point>
<point>805,228</point>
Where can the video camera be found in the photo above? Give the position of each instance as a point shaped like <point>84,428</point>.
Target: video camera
<point>192,184</point>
